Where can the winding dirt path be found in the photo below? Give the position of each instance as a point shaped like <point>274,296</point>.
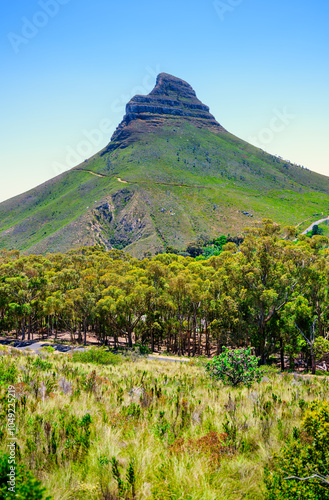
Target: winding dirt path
<point>90,172</point>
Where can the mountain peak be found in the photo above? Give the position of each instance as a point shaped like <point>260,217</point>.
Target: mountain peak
<point>171,85</point>
<point>181,177</point>
<point>171,102</point>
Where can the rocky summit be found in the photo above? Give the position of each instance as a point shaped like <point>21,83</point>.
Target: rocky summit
<point>171,98</point>
<point>170,175</point>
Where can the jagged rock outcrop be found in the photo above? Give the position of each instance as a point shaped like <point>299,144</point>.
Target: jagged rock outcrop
<point>171,98</point>
<point>121,220</point>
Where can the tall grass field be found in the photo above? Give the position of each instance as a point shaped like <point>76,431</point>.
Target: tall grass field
<point>109,427</point>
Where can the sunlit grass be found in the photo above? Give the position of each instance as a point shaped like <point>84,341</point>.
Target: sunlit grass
<point>168,417</point>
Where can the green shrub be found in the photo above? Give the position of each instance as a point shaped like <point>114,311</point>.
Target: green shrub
<point>142,349</point>
<point>96,356</point>
<point>26,486</point>
<point>128,485</point>
<point>234,367</point>
<point>42,364</point>
<point>8,371</point>
<point>49,349</point>
<point>321,347</point>
<point>306,454</point>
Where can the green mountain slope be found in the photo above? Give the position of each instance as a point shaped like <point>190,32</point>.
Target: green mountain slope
<point>170,174</point>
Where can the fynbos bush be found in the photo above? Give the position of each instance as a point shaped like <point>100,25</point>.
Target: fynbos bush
<point>8,371</point>
<point>97,356</point>
<point>301,469</point>
<point>235,367</point>
<point>26,486</point>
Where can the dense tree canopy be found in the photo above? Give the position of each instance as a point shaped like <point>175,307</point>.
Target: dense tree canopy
<point>268,293</point>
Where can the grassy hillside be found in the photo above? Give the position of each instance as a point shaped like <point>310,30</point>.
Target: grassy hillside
<point>168,186</point>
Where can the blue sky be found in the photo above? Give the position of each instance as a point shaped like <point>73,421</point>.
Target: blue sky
<point>69,67</point>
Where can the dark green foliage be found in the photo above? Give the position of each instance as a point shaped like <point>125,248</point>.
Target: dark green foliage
<point>97,356</point>
<point>316,230</point>
<point>126,488</point>
<point>42,364</point>
<point>212,249</point>
<point>142,349</point>
<point>194,249</point>
<point>26,488</point>
<point>8,371</point>
<point>306,454</point>
<point>235,367</point>
<point>133,410</point>
<point>65,436</point>
<point>131,477</point>
<point>117,475</point>
<point>162,426</point>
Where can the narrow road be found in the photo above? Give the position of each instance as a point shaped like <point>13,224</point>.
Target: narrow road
<point>314,224</point>
<point>37,346</point>
<point>169,359</point>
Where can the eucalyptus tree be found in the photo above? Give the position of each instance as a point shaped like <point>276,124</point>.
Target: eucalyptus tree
<point>24,283</point>
<point>124,304</point>
<point>271,277</point>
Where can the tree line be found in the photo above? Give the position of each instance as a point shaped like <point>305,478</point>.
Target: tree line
<point>269,292</point>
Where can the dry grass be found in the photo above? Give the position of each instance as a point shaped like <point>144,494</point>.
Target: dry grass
<point>190,437</point>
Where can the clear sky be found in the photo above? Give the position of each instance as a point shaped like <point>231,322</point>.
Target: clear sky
<point>70,66</point>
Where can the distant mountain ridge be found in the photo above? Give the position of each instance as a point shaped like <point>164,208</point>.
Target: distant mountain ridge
<point>170,174</point>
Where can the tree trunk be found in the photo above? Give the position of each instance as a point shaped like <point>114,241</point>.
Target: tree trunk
<point>168,339</point>
<point>79,333</point>
<point>180,339</point>
<point>200,338</point>
<point>218,344</point>
<point>319,314</point>
<point>189,341</point>
<point>130,341</point>
<point>29,330</point>
<point>84,332</point>
<point>313,360</point>
<point>282,355</point>
<point>207,340</point>
<point>262,337</point>
<point>23,330</point>
<point>194,336</point>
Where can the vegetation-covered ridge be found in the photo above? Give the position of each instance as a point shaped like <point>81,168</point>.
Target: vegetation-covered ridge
<point>170,175</point>
<point>267,292</point>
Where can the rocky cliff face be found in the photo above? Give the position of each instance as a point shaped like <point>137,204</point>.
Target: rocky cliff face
<point>171,99</point>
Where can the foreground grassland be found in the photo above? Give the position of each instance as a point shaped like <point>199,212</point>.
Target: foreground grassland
<point>179,434</point>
